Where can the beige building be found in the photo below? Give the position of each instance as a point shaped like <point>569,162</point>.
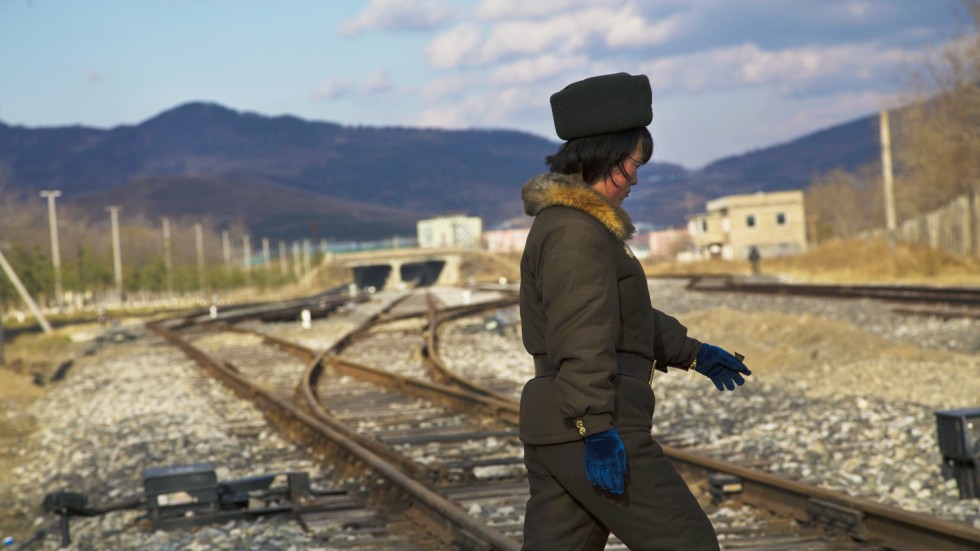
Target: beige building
<point>463,232</point>
<point>775,223</point>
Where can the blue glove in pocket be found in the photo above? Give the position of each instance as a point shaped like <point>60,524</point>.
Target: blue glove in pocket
<point>605,460</point>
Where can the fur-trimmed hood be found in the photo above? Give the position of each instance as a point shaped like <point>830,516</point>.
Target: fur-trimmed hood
<point>571,191</point>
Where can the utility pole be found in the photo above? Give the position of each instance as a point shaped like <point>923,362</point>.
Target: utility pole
<point>283,261</point>
<point>226,248</point>
<point>307,268</point>
<point>266,258</point>
<point>24,295</point>
<point>116,255</point>
<point>297,259</point>
<point>247,259</point>
<point>886,173</point>
<point>50,195</point>
<point>199,238</point>
<point>168,260</point>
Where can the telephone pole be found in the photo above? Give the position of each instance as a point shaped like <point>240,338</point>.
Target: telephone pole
<point>168,260</point>
<point>226,248</point>
<point>50,195</point>
<point>247,259</point>
<point>283,261</point>
<point>886,173</point>
<point>199,238</point>
<point>116,255</point>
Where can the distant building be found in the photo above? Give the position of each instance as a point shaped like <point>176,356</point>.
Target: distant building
<point>775,223</point>
<point>505,241</point>
<point>450,231</point>
<point>667,243</point>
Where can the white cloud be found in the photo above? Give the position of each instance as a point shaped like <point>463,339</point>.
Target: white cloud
<point>634,29</point>
<point>399,15</point>
<point>570,32</point>
<point>377,82</point>
<point>536,68</point>
<point>790,71</point>
<point>447,86</point>
<point>522,9</point>
<point>332,89</point>
<point>453,47</point>
<point>495,107</point>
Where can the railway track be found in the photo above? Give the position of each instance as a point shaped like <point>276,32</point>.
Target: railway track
<point>382,397</point>
<point>946,302</point>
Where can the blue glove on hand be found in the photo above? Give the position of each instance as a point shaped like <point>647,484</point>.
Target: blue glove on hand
<point>724,369</point>
<point>605,460</point>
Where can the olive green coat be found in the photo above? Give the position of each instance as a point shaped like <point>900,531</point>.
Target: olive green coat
<point>584,299</point>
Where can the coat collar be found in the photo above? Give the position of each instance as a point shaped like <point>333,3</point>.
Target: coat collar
<point>569,190</point>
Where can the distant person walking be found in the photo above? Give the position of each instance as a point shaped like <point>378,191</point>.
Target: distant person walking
<point>755,258</point>
<point>587,320</point>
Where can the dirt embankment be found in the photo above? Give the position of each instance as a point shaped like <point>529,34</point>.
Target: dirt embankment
<point>832,358</point>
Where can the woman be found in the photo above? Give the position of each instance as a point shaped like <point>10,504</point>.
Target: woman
<point>588,322</point>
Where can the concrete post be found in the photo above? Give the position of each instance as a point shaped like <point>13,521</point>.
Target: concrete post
<point>168,259</point>
<point>450,271</point>
<point>199,238</point>
<point>886,172</point>
<point>116,254</point>
<point>247,259</point>
<point>226,248</point>
<point>24,295</point>
<point>283,261</point>
<point>394,276</point>
<point>59,295</point>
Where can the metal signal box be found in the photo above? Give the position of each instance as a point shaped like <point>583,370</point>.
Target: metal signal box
<point>959,442</point>
<point>181,490</point>
<point>959,433</point>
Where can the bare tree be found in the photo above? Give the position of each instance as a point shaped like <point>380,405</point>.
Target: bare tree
<point>845,202</point>
<point>938,135</point>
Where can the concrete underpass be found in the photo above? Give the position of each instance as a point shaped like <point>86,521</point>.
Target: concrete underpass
<point>381,276</point>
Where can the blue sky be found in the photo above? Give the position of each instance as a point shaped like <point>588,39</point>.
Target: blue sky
<point>728,76</point>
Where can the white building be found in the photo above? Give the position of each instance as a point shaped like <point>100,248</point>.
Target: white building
<point>463,232</point>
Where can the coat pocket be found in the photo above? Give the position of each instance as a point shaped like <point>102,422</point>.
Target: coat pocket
<point>542,421</point>
<point>634,405</point>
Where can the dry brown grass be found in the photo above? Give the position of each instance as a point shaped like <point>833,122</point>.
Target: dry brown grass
<point>850,261</point>
<point>486,267</point>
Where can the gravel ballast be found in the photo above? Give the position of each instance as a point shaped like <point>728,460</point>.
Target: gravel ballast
<point>843,395</point>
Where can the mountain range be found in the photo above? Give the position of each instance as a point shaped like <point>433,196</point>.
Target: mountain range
<point>282,176</point>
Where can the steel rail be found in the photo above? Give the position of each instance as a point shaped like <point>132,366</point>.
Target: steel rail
<point>438,367</point>
<point>895,528</point>
<point>965,296</point>
<point>863,519</point>
<point>444,510</point>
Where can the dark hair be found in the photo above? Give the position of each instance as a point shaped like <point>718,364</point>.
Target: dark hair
<point>595,157</point>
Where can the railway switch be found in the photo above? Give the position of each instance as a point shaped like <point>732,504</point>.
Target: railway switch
<point>959,443</point>
<point>189,495</point>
